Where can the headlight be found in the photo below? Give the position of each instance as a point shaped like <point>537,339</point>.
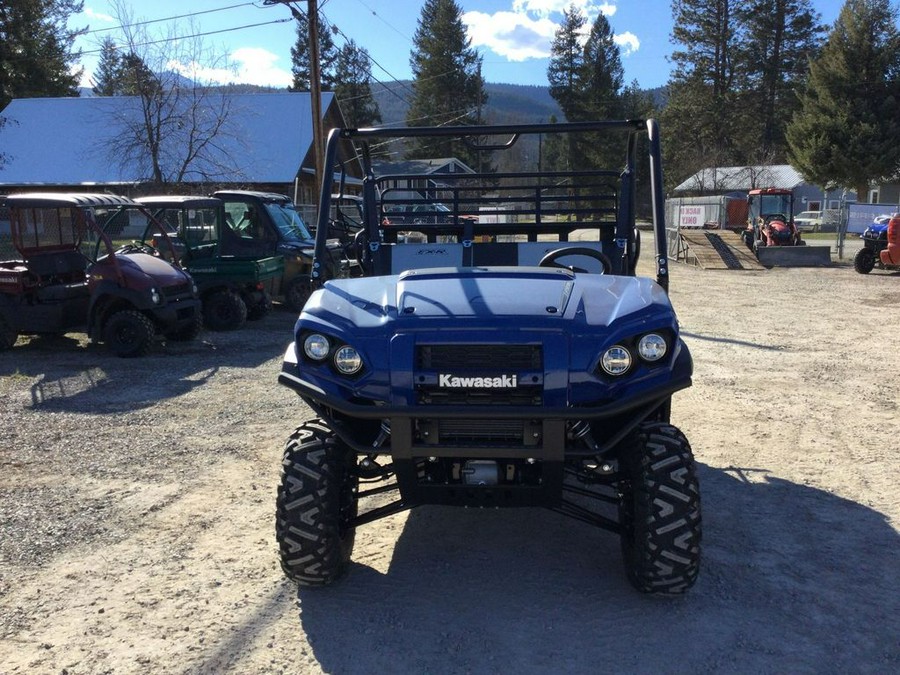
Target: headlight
<point>652,347</point>
<point>347,360</point>
<point>616,360</point>
<point>155,297</point>
<point>316,347</point>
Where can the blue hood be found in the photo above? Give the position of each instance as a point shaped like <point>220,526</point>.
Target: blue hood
<point>464,297</point>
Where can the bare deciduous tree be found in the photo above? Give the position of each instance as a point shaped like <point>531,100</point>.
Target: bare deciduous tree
<point>174,125</point>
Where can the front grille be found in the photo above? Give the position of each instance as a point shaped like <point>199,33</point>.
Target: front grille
<point>481,432</point>
<point>177,290</point>
<point>479,357</point>
<point>522,364</point>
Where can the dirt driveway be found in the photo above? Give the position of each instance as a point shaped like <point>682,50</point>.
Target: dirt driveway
<point>136,514</point>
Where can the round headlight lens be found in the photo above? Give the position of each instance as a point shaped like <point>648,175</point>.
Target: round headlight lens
<point>616,360</point>
<point>316,347</point>
<point>652,347</point>
<point>155,297</point>
<point>347,360</point>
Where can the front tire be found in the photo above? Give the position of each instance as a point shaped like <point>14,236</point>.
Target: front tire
<point>188,332</point>
<point>259,309</point>
<point>864,260</point>
<point>298,292</point>
<point>659,510</point>
<point>128,333</point>
<point>316,504</point>
<point>224,310</point>
<point>8,334</point>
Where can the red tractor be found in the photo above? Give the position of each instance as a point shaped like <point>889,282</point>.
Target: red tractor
<point>772,234</point>
<point>771,221</point>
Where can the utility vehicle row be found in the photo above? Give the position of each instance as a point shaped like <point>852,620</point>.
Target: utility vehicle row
<point>128,271</point>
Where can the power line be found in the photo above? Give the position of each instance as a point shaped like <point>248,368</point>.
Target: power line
<point>187,37</point>
<point>170,18</point>
<point>386,23</point>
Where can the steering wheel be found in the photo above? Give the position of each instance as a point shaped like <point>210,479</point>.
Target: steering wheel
<point>137,247</point>
<point>550,259</point>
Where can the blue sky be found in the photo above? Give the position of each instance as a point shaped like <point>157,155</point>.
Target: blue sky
<point>512,35</point>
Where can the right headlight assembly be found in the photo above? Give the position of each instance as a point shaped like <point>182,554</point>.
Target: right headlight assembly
<point>616,360</point>
<point>316,346</point>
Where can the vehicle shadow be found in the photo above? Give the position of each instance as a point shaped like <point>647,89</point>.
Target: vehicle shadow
<point>66,373</point>
<point>731,341</point>
<point>794,579</point>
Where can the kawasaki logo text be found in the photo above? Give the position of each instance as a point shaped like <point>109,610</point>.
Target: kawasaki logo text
<point>502,382</point>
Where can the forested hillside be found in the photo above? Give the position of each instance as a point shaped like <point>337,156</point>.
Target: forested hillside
<point>505,103</point>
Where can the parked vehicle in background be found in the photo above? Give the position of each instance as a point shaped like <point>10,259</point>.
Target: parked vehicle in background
<point>233,288</point>
<point>874,239</point>
<point>72,276</point>
<point>772,233</point>
<point>889,256</point>
<point>808,221</point>
<point>261,224</point>
<point>400,212</point>
<point>769,219</point>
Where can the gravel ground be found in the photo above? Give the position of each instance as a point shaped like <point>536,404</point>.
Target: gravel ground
<point>137,499</point>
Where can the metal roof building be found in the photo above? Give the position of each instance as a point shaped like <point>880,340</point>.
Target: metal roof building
<point>715,180</point>
<point>265,140</point>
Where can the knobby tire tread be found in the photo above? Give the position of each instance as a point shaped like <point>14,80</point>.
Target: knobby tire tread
<point>316,499</point>
<point>660,511</point>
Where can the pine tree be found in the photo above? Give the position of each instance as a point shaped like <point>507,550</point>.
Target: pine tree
<point>847,130</point>
<point>328,55</point>
<point>106,79</point>
<point>135,78</point>
<point>447,86</point>
<point>702,98</point>
<point>602,75</point>
<point>567,63</point>
<point>353,76</point>
<point>36,49</point>
<point>780,38</point>
<point>586,82</point>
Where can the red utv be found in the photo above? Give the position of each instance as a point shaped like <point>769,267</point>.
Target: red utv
<point>73,277</point>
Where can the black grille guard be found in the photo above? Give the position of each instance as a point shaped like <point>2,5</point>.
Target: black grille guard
<point>290,378</point>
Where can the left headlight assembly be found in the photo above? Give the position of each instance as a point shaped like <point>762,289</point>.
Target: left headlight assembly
<point>649,348</point>
<point>652,347</point>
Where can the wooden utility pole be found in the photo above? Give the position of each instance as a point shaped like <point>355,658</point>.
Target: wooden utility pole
<point>315,92</point>
<point>315,84</point>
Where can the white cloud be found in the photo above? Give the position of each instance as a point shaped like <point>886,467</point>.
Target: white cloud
<point>544,8</point>
<point>257,66</point>
<point>527,31</point>
<point>92,14</point>
<point>628,43</point>
<point>252,65</point>
<point>511,34</point>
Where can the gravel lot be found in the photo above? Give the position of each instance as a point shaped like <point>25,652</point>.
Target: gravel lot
<point>137,499</point>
